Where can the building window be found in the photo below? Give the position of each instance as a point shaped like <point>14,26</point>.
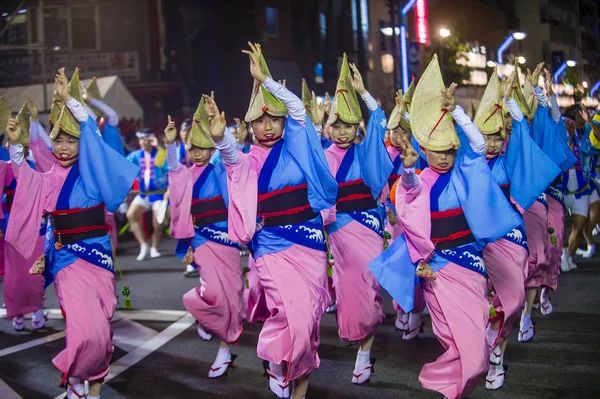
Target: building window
<point>73,27</point>
<point>272,15</point>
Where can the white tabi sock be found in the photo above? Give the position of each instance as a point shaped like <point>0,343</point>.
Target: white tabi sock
<point>491,335</point>
<point>363,359</point>
<point>223,355</point>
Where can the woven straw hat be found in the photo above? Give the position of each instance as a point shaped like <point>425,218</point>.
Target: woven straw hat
<point>345,104</point>
<point>488,118</point>
<point>200,130</point>
<point>4,115</point>
<point>261,100</point>
<point>66,121</point>
<point>431,123</point>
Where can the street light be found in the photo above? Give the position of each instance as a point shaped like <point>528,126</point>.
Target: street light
<point>521,60</point>
<point>562,68</point>
<point>490,64</point>
<point>585,85</point>
<point>514,36</point>
<point>389,31</point>
<point>444,32</point>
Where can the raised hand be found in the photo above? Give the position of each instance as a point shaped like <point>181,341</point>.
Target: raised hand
<point>83,90</point>
<point>448,99</point>
<point>327,103</point>
<point>242,130</point>
<point>548,83</point>
<point>399,98</point>
<point>216,120</point>
<point>584,114</point>
<point>408,156</point>
<point>357,81</point>
<point>254,54</point>
<point>33,111</point>
<point>170,132</point>
<point>61,85</point>
<point>534,78</point>
<point>13,130</point>
<point>507,87</point>
<point>317,111</point>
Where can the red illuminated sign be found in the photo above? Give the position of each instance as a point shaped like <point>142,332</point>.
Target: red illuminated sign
<point>422,22</point>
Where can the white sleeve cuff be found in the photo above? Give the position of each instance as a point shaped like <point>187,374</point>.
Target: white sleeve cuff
<point>370,101</point>
<point>228,151</point>
<point>172,157</point>
<point>409,177</point>
<point>319,130</point>
<point>16,154</point>
<point>112,117</point>
<point>78,110</point>
<point>541,97</point>
<point>514,109</point>
<point>554,110</point>
<point>293,104</point>
<point>90,112</point>
<point>475,137</point>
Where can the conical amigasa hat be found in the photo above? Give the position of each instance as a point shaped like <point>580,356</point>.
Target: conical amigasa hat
<point>408,96</point>
<point>431,123</point>
<point>261,100</point>
<point>306,95</point>
<point>57,104</point>
<point>23,117</point>
<point>518,93</point>
<point>345,104</point>
<point>530,98</point>
<point>4,115</point>
<point>396,115</point>
<point>93,91</point>
<point>489,118</point>
<point>400,115</point>
<point>66,121</point>
<point>200,130</point>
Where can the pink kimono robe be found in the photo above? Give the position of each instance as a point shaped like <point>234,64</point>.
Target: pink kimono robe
<point>217,302</point>
<point>556,221</point>
<point>23,293</point>
<point>359,304</point>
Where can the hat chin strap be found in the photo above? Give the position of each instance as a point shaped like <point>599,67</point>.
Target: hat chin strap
<point>268,140</point>
<point>66,159</point>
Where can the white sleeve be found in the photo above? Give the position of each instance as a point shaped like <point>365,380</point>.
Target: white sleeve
<point>172,157</point>
<point>319,130</point>
<point>475,137</point>
<point>541,97</point>
<point>228,151</point>
<point>292,103</point>
<point>37,131</point>
<point>111,115</point>
<point>16,154</point>
<point>409,177</point>
<point>370,101</point>
<point>91,113</point>
<point>554,110</point>
<point>78,110</point>
<point>514,109</point>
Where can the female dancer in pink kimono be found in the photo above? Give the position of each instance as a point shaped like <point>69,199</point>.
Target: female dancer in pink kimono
<point>550,133</point>
<point>448,213</point>
<point>199,202</point>
<point>275,195</point>
<point>523,173</point>
<point>88,178</point>
<point>23,293</point>
<point>399,128</point>
<point>355,224</point>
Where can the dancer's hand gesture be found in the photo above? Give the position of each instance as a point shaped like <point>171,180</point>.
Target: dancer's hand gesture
<point>408,156</point>
<point>216,121</point>
<point>13,130</point>
<point>170,132</point>
<point>255,69</point>
<point>61,85</point>
<point>242,130</point>
<point>448,99</point>
<point>357,80</point>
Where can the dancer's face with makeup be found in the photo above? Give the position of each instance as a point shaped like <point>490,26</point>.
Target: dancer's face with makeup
<point>65,149</point>
<point>493,145</point>
<point>268,129</point>
<point>440,161</point>
<point>343,133</point>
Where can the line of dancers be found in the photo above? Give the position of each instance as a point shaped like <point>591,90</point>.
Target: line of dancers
<point>462,215</point>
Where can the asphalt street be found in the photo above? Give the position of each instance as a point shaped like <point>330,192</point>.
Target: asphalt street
<point>159,354</point>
